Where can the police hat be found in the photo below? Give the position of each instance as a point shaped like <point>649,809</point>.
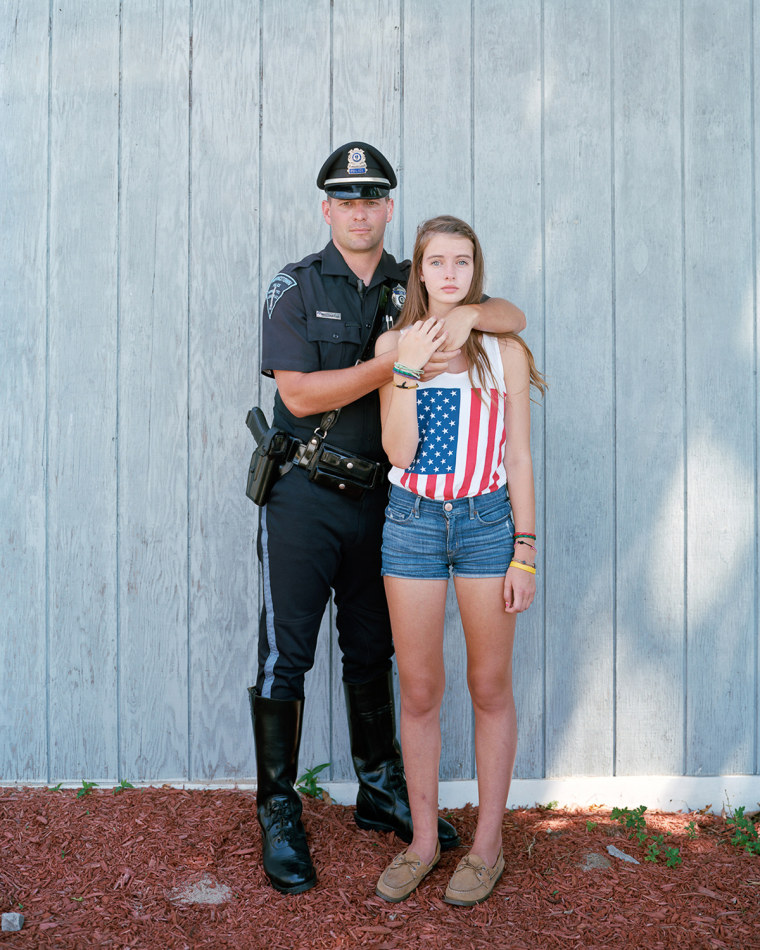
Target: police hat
<point>356,170</point>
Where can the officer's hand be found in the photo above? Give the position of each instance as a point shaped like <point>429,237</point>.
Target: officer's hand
<point>458,323</point>
<point>439,363</point>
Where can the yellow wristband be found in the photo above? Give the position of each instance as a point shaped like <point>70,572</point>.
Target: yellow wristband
<point>523,567</point>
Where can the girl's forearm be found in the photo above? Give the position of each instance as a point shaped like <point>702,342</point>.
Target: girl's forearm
<point>521,494</point>
<point>400,431</point>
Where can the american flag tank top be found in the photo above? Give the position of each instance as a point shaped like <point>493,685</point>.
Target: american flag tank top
<point>462,435</point>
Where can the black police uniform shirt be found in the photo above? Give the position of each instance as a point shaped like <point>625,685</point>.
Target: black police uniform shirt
<point>315,318</point>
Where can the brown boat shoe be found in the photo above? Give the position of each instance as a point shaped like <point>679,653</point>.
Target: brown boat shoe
<point>473,880</point>
<point>403,874</point>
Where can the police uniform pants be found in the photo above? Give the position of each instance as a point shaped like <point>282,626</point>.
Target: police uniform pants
<point>312,539</point>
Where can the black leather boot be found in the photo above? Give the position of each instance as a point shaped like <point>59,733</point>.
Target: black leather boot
<point>277,734</point>
<point>383,801</point>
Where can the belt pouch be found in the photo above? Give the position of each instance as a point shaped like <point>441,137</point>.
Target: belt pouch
<point>347,474</point>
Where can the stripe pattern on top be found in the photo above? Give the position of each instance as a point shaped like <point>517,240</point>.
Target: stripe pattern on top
<point>462,437</point>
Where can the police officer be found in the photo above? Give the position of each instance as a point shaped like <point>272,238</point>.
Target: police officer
<point>319,532</point>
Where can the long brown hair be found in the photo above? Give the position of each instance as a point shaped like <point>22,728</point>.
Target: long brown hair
<point>417,302</point>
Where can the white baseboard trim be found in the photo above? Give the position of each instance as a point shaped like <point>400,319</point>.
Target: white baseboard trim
<point>670,793</point>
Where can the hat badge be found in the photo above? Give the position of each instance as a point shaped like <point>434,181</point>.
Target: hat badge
<point>357,162</point>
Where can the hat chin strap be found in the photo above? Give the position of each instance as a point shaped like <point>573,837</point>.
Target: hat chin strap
<point>356,180</point>
<point>356,190</point>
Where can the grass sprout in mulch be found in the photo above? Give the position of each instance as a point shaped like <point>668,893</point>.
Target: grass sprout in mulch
<point>169,868</point>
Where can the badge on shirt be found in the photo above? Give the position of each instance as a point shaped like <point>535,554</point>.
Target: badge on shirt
<point>280,284</point>
<point>327,315</point>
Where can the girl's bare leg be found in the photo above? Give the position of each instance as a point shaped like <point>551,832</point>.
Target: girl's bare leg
<point>417,610</point>
<point>489,633</point>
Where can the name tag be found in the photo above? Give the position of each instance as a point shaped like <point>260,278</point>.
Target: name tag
<point>326,315</point>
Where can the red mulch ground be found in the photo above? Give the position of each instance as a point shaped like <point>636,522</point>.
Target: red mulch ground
<point>106,870</point>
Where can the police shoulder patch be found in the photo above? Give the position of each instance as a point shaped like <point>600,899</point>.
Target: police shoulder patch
<point>278,286</point>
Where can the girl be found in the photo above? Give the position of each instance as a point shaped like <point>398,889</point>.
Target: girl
<point>455,444</point>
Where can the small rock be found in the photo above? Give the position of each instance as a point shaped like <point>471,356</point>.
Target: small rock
<point>13,922</point>
<point>594,862</point>
<point>621,854</point>
<point>205,891</point>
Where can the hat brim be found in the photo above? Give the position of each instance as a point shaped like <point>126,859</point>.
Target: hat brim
<point>351,191</point>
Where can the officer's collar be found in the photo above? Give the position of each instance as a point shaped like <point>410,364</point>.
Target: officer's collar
<point>334,264</point>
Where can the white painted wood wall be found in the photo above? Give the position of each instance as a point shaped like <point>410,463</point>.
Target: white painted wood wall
<point>157,166</point>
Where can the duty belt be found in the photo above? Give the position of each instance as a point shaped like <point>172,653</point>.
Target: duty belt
<point>278,451</point>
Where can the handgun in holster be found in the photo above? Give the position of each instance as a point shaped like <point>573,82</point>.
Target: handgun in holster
<point>271,458</point>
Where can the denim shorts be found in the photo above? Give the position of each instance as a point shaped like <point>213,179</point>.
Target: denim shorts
<point>466,537</point>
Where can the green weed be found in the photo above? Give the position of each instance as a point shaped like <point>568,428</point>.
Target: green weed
<point>307,783</point>
<point>634,822</point>
<point>122,786</point>
<point>672,857</point>
<point>86,788</point>
<point>653,849</point>
<point>549,806</point>
<point>745,831</point>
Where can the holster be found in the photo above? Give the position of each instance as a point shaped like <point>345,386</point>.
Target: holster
<point>271,458</point>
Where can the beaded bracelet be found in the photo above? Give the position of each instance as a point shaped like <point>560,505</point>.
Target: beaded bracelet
<point>523,566</point>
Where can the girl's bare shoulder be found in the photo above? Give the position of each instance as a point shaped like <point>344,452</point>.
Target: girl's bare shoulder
<point>513,349</point>
<point>514,359</point>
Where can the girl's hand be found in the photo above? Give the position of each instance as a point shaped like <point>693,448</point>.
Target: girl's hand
<point>418,342</point>
<point>519,590</point>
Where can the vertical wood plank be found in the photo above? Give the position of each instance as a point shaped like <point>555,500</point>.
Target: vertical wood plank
<point>507,219</point>
<point>223,345</point>
<point>153,390</point>
<point>436,155</point>
<point>82,390</point>
<point>579,426</point>
<point>720,396</point>
<point>366,87</point>
<point>436,179</point>
<point>366,106</point>
<point>23,211</point>
<point>651,690</point>
<point>295,140</point>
